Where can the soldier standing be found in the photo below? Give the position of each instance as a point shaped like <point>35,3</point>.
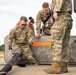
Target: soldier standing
<point>60,36</point>
<point>41,17</point>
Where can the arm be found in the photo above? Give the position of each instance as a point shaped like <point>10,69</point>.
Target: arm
<point>57,8</point>
<point>58,5</point>
<point>38,23</point>
<point>11,37</point>
<point>30,37</point>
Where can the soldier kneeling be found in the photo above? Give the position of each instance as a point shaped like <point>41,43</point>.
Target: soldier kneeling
<point>22,39</point>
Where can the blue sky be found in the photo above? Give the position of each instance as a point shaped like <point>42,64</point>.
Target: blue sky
<point>12,10</point>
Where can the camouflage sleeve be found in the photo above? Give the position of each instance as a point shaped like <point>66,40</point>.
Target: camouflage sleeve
<point>11,37</point>
<point>38,22</point>
<point>30,37</point>
<point>58,5</point>
<point>17,25</point>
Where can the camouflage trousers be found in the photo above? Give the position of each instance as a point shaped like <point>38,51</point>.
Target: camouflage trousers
<point>60,36</point>
<point>27,53</point>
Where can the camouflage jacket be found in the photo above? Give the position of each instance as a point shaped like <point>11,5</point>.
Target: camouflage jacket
<point>20,36</point>
<point>62,5</point>
<point>41,17</point>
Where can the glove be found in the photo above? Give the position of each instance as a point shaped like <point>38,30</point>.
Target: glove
<point>30,46</point>
<point>10,47</point>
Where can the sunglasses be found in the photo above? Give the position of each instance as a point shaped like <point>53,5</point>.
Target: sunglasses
<point>23,24</point>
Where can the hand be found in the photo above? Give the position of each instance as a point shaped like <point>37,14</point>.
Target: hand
<point>37,36</point>
<point>30,46</point>
<point>10,48</point>
<point>47,26</point>
<point>55,15</point>
<point>51,21</point>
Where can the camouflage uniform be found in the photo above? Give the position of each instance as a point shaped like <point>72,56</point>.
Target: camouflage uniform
<point>31,28</point>
<point>60,31</point>
<point>41,17</point>
<point>21,38</point>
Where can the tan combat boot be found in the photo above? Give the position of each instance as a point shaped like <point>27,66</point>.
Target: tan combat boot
<point>64,67</point>
<point>55,68</point>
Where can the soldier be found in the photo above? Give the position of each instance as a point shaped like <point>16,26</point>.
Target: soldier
<point>60,36</point>
<point>31,22</point>
<point>42,15</point>
<point>22,36</point>
<point>22,39</point>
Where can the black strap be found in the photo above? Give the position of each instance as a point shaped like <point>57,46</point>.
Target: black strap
<point>45,32</point>
<point>44,23</point>
<point>47,19</point>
